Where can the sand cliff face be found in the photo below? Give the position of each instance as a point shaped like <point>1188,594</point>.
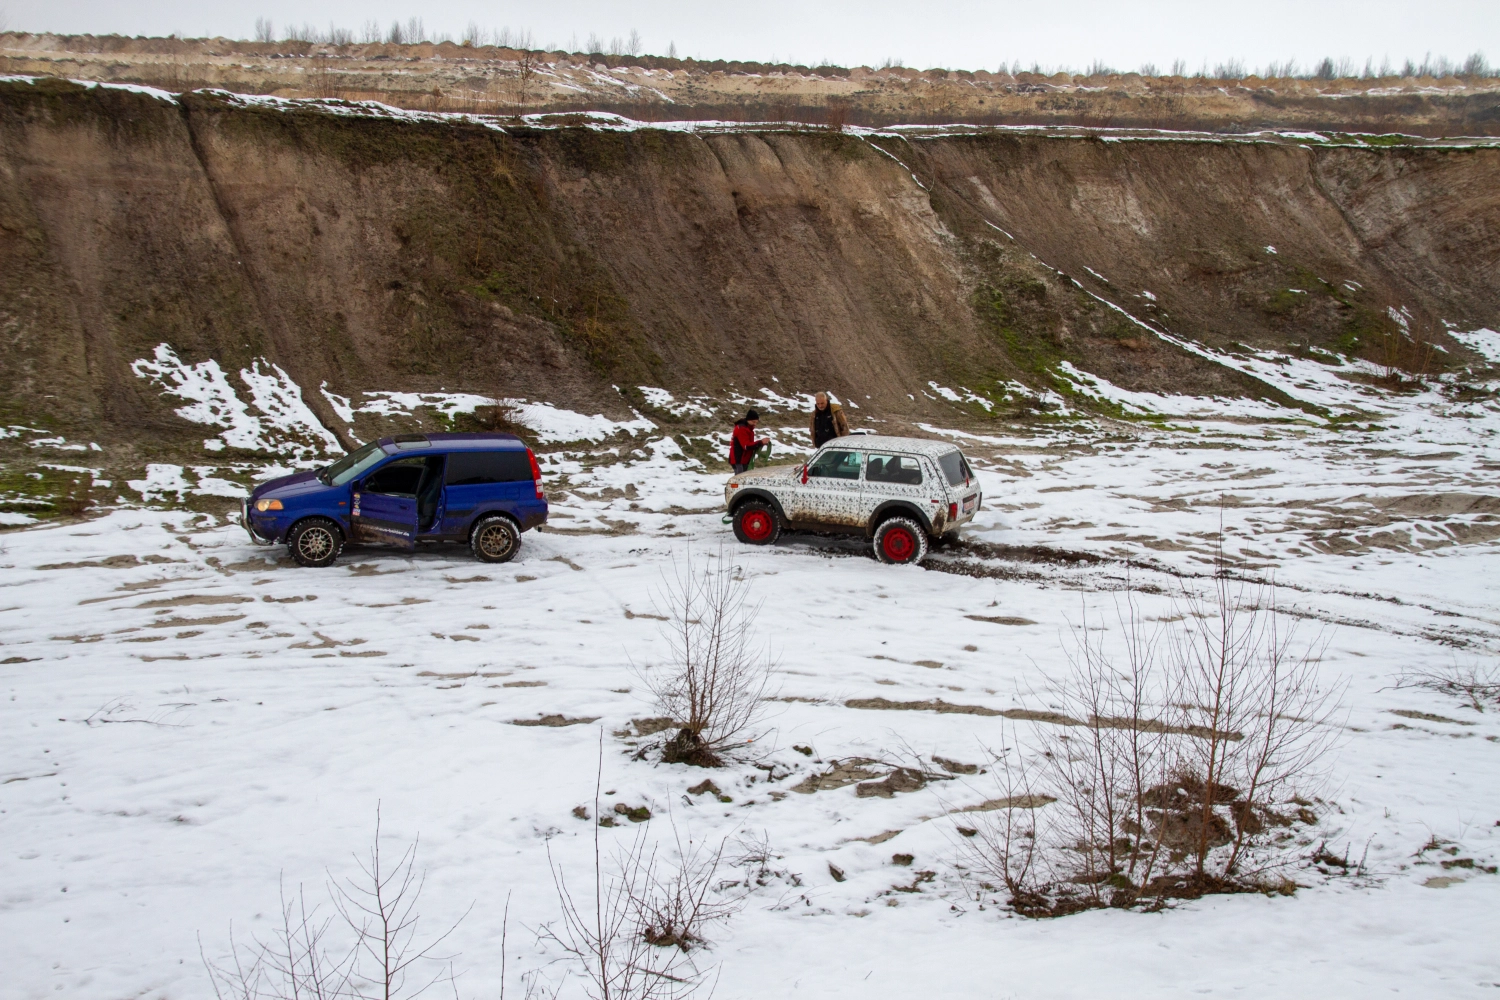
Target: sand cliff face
<point>358,252</point>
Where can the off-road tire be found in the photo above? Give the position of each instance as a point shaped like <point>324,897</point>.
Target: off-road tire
<point>315,542</point>
<point>901,541</point>
<point>756,523</point>
<point>495,539</point>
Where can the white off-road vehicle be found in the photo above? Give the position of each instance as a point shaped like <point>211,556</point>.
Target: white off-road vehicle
<point>898,492</point>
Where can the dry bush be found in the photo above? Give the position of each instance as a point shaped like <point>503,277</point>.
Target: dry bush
<point>636,931</point>
<point>838,115</point>
<point>368,948</point>
<point>1475,683</point>
<point>718,678</point>
<point>1193,745</point>
<point>297,961</point>
<point>525,77</point>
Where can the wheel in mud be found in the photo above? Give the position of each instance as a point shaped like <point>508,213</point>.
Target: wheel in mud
<point>315,542</point>
<point>495,540</point>
<point>900,540</point>
<point>756,524</point>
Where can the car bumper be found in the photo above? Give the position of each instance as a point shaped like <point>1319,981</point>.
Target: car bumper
<point>249,525</point>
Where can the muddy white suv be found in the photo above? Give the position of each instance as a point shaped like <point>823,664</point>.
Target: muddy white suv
<point>897,492</point>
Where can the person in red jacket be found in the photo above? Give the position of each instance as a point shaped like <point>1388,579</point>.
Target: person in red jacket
<point>743,444</point>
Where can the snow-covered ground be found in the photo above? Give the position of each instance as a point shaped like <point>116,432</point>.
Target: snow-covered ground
<point>189,719</point>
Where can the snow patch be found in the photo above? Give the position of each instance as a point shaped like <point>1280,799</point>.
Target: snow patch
<point>1483,341</point>
<point>340,404</point>
<point>554,425</point>
<point>661,399</point>
<point>161,480</point>
<point>394,404</point>
<point>284,423</point>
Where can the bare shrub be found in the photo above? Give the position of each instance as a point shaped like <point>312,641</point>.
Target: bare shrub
<point>1475,683</point>
<point>717,680</point>
<point>367,948</point>
<point>635,933</point>
<point>1198,735</point>
<point>838,115</point>
<point>297,960</point>
<point>1003,841</point>
<point>525,77</point>
<point>321,79</point>
<point>381,907</point>
<point>682,899</point>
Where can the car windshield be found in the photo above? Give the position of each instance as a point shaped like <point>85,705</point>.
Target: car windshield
<point>351,465</point>
<point>955,469</point>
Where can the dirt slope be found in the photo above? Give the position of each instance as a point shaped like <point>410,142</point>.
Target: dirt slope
<point>557,262</point>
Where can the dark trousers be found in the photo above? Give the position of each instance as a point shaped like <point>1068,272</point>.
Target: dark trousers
<point>749,456</point>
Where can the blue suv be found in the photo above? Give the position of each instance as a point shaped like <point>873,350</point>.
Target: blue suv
<point>482,489</point>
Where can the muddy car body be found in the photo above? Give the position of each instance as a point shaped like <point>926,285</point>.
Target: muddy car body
<point>898,492</point>
<point>480,489</point>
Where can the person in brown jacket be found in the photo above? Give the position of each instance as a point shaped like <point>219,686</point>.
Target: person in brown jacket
<point>828,420</point>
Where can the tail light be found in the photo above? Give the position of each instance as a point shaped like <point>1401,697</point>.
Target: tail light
<point>536,474</point>
<point>953,512</point>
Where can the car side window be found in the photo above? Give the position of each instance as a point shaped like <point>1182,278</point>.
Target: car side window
<point>835,465</point>
<point>398,479</point>
<point>899,470</point>
<point>474,468</point>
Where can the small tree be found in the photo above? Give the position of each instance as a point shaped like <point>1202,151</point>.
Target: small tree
<point>367,951</point>
<point>717,680</point>
<point>526,69</point>
<point>634,932</point>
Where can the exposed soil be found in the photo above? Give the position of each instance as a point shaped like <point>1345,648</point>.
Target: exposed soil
<point>559,263</point>
<point>555,720</point>
<point>902,779</point>
<point>839,774</point>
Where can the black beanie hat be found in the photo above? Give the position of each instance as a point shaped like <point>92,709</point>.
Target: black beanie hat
<point>752,414</point>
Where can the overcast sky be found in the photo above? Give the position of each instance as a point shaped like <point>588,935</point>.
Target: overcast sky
<point>958,34</point>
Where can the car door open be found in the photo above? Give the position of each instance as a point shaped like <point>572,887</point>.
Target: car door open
<point>385,504</point>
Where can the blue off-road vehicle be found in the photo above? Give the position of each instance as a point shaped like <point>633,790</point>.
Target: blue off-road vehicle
<point>480,489</point>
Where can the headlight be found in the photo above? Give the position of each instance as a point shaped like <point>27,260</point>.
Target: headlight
<point>265,505</point>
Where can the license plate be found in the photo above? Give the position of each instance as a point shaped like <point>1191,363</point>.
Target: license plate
<point>969,504</point>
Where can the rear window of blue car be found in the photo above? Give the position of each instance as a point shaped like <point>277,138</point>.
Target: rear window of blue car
<point>470,468</point>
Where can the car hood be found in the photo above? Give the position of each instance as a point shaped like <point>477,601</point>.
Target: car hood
<point>288,486</point>
<point>770,472</point>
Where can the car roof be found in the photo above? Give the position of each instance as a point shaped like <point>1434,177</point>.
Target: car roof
<point>475,441</point>
<point>882,442</point>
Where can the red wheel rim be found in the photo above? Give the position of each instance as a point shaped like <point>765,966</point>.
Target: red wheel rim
<point>898,544</point>
<point>756,525</point>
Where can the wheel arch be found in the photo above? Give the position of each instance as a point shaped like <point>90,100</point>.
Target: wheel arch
<point>896,508</point>
<point>745,496</point>
<point>317,515</point>
<point>485,515</point>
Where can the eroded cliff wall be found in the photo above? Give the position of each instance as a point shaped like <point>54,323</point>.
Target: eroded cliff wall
<point>360,252</point>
